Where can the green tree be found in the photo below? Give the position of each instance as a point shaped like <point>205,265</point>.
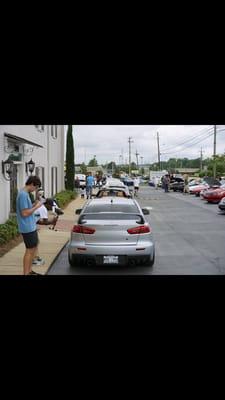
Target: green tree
<point>93,162</point>
<point>70,163</point>
<point>220,166</point>
<point>83,169</point>
<point>133,166</point>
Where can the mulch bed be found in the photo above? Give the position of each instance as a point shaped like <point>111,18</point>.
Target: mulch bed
<point>4,248</point>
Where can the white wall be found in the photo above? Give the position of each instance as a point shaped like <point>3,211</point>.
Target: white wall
<point>51,155</point>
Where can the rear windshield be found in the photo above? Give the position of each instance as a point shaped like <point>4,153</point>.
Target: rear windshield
<point>117,193</point>
<point>101,208</point>
<point>111,216</point>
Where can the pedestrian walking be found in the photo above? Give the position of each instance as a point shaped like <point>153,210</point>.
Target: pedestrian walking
<point>156,182</point>
<point>89,185</point>
<point>26,221</point>
<point>136,185</point>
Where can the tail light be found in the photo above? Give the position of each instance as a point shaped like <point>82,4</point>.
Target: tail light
<point>139,229</point>
<point>83,229</point>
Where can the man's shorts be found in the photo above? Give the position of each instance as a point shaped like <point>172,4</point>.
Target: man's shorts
<point>30,239</point>
<point>136,187</point>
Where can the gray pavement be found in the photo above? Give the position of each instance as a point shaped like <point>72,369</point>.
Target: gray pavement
<point>189,236</point>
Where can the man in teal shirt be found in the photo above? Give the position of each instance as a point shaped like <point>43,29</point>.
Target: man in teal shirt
<point>26,221</point>
<point>89,185</point>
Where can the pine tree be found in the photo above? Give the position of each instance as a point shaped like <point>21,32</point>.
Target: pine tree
<point>70,163</point>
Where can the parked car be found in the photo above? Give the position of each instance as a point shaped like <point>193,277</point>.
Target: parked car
<point>207,183</point>
<point>82,180</point>
<point>221,204</point>
<point>112,230</point>
<point>214,195</point>
<point>194,182</point>
<point>113,191</point>
<point>112,182</point>
<point>130,184</point>
<point>177,184</point>
<point>196,189</point>
<point>151,183</point>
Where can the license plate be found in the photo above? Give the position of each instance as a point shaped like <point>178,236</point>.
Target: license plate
<point>110,260</point>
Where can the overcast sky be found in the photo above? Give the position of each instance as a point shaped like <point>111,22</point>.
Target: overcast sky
<point>110,142</point>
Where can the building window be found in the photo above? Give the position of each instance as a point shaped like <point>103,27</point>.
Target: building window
<point>40,172</point>
<point>54,131</point>
<point>54,186</point>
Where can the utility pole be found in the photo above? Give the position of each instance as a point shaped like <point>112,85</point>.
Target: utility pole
<point>158,149</point>
<point>214,153</point>
<point>201,160</point>
<point>142,161</point>
<point>130,141</point>
<point>137,154</point>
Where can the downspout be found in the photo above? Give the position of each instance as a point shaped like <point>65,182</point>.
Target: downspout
<point>48,159</point>
<point>62,156</point>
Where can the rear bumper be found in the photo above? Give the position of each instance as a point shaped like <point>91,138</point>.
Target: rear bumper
<point>123,260</point>
<point>125,253</point>
<point>211,199</point>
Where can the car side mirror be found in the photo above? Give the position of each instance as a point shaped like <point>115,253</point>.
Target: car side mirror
<point>78,211</point>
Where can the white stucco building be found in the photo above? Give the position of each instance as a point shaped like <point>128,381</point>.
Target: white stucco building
<point>45,145</point>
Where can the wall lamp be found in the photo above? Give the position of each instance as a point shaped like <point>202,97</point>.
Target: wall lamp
<point>30,166</point>
<point>7,169</point>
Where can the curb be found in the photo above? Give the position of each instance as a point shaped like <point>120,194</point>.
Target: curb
<point>57,255</point>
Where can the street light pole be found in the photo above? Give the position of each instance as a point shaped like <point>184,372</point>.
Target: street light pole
<point>137,154</point>
<point>214,153</point>
<point>130,141</point>
<point>201,160</point>
<point>158,149</point>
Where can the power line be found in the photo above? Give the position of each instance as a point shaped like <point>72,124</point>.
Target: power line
<point>190,145</point>
<point>190,139</point>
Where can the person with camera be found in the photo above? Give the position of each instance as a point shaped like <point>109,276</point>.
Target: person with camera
<point>26,221</point>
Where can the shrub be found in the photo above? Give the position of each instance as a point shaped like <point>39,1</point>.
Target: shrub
<point>64,197</point>
<point>8,230</point>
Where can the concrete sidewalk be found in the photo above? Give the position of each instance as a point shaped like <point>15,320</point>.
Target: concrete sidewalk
<point>51,243</point>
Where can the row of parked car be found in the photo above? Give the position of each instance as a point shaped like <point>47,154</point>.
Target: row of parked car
<point>112,229</point>
<point>210,189</point>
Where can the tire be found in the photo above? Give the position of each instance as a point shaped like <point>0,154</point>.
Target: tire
<point>73,261</point>
<point>148,262</point>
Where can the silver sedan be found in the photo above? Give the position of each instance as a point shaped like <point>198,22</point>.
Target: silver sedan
<point>112,230</point>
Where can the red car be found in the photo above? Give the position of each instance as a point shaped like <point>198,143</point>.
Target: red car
<point>214,195</point>
<point>198,188</point>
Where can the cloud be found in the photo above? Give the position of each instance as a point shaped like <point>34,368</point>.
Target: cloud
<point>108,142</point>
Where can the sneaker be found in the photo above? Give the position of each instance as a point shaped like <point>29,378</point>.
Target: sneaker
<point>38,261</point>
<point>34,273</point>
